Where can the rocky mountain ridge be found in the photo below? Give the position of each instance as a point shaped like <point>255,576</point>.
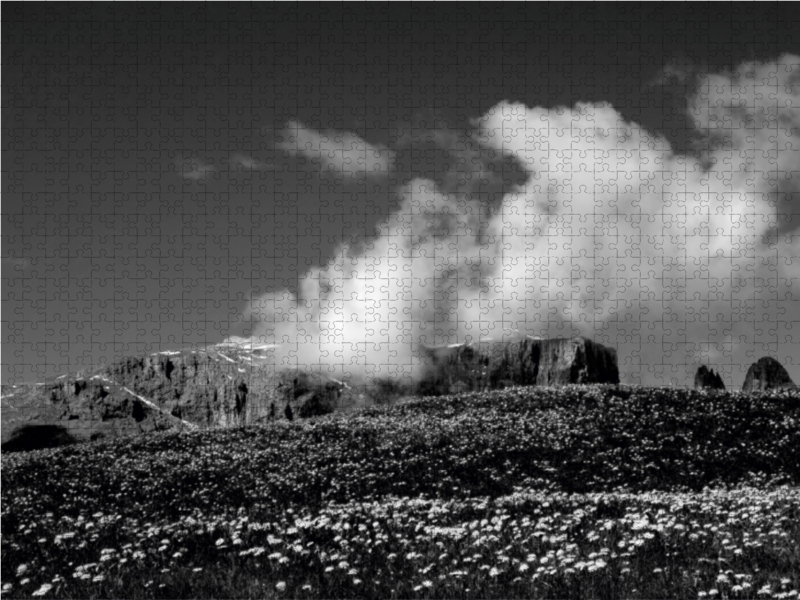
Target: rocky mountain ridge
<point>242,382</point>
<point>527,360</point>
<point>245,382</point>
<point>236,382</point>
<point>708,379</point>
<point>767,374</point>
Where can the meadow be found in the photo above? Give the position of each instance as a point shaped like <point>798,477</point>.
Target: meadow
<point>571,492</point>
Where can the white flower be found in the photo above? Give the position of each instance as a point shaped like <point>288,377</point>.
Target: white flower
<point>43,590</point>
<point>280,586</point>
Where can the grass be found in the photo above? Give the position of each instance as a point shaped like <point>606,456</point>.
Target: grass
<point>573,492</point>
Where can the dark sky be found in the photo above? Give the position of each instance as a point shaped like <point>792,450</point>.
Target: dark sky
<point>171,168</point>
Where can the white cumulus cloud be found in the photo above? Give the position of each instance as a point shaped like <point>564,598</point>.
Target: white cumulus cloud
<point>673,259</point>
<point>337,151</point>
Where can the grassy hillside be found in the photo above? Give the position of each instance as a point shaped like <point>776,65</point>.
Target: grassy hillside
<point>581,491</point>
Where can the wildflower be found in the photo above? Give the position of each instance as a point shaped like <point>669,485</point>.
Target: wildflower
<point>42,590</point>
<point>280,586</point>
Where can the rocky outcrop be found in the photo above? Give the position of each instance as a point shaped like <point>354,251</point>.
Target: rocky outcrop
<point>215,387</point>
<point>707,379</point>
<point>80,408</point>
<point>231,385</point>
<point>213,393</point>
<point>766,374</point>
<point>527,361</point>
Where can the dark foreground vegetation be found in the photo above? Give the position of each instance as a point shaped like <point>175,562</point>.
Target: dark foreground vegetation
<point>574,492</point>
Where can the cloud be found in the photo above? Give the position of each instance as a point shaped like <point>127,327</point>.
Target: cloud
<point>750,118</point>
<point>195,170</point>
<point>337,151</point>
<point>249,163</point>
<point>673,259</point>
<point>15,264</point>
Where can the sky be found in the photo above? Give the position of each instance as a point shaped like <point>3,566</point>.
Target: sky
<point>353,180</point>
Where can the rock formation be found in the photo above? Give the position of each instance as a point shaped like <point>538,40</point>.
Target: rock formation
<point>219,386</point>
<point>81,409</point>
<point>236,384</point>
<point>766,374</point>
<point>527,361</point>
<point>707,379</point>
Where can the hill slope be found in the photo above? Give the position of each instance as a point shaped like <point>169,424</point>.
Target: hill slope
<point>528,492</point>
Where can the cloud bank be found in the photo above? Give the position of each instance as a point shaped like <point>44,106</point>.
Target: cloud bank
<point>336,151</point>
<point>673,259</point>
<point>195,170</point>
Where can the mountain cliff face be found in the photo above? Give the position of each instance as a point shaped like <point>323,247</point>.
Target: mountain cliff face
<point>78,408</point>
<point>766,374</point>
<point>527,361</point>
<point>225,385</point>
<point>239,383</point>
<point>707,379</point>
